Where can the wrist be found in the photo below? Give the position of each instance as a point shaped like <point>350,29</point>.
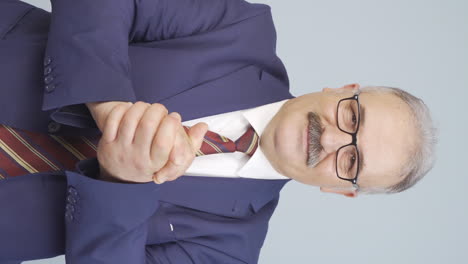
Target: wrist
<point>100,110</point>
<point>105,176</point>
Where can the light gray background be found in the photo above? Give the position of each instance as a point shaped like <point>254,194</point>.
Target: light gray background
<point>420,46</point>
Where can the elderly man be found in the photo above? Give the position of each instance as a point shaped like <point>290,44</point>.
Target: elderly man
<point>160,188</point>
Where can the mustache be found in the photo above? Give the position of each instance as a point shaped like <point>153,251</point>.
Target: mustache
<point>315,133</point>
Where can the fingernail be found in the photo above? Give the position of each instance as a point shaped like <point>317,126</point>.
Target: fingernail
<point>160,179</point>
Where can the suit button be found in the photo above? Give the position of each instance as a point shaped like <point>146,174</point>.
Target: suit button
<point>47,61</point>
<point>48,79</point>
<point>72,190</point>
<point>69,216</point>
<point>47,70</point>
<point>70,208</point>
<point>50,87</point>
<point>71,199</point>
<point>53,127</point>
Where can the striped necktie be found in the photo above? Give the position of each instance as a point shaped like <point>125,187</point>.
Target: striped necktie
<point>215,143</point>
<point>25,152</point>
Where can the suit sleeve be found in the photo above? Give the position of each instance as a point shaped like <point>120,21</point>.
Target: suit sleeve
<point>87,60</point>
<point>106,222</point>
<point>109,222</point>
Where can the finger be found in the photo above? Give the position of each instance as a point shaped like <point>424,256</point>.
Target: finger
<point>168,173</point>
<point>148,127</point>
<point>163,141</point>
<point>180,158</point>
<point>183,153</point>
<point>196,134</point>
<point>130,121</point>
<point>113,121</point>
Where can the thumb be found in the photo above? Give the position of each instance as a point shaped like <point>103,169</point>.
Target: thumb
<point>196,134</point>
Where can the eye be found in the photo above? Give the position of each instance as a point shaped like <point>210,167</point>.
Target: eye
<point>352,160</point>
<point>354,119</point>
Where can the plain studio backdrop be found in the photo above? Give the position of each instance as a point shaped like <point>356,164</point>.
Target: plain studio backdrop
<point>419,46</point>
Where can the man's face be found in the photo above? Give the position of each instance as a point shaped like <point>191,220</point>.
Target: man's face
<point>385,139</point>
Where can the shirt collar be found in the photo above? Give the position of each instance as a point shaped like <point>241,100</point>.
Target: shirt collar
<point>258,165</point>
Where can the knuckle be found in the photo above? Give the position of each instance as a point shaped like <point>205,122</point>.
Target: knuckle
<point>161,145</point>
<point>172,121</point>
<point>178,160</point>
<point>141,106</point>
<point>121,157</point>
<point>160,108</point>
<point>139,164</point>
<point>120,107</point>
<point>176,114</point>
<point>111,121</point>
<point>146,124</point>
<point>141,103</point>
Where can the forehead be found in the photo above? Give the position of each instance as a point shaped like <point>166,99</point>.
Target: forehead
<point>386,138</point>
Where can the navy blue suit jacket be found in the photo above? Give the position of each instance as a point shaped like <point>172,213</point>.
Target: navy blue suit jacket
<point>196,57</point>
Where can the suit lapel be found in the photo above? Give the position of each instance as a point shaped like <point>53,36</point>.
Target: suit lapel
<point>245,88</point>
<point>234,197</point>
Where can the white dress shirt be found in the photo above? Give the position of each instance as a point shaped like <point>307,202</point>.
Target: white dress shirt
<point>237,164</point>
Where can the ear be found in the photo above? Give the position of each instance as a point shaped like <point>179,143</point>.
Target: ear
<point>347,193</point>
<point>352,86</point>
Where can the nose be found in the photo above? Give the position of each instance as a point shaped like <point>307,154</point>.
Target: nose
<point>333,138</point>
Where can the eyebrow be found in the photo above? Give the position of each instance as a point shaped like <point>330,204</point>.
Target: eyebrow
<point>362,121</point>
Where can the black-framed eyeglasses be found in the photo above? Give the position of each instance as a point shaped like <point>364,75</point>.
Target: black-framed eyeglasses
<point>348,116</point>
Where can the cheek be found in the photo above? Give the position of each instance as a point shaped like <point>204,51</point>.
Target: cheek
<point>327,174</point>
<point>327,165</point>
<point>329,114</point>
<point>325,171</point>
<point>327,109</point>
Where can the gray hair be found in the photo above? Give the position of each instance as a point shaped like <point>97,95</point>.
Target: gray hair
<point>423,157</point>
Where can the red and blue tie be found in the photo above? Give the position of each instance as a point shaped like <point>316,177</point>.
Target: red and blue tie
<point>25,152</point>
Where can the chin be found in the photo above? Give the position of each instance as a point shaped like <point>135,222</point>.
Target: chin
<point>307,181</point>
<point>269,149</point>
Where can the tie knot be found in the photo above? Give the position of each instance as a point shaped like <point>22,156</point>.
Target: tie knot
<point>248,142</point>
<point>215,143</point>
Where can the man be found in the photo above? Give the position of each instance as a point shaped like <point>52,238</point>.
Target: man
<point>206,60</point>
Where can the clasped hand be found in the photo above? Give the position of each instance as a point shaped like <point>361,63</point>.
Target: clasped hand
<point>141,142</point>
